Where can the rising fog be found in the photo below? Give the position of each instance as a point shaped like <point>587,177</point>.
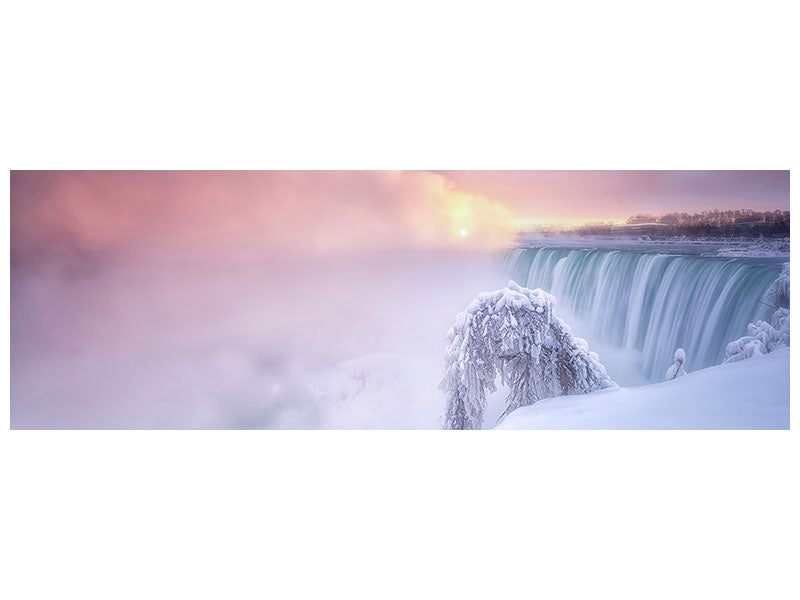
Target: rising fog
<point>240,299</point>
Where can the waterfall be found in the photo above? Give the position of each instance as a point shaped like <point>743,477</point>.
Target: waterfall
<point>649,302</point>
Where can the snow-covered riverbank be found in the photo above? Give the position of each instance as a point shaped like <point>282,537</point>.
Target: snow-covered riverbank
<point>750,394</point>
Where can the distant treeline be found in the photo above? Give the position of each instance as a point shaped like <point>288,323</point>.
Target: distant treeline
<point>713,230</point>
<point>709,223</point>
<point>714,217</point>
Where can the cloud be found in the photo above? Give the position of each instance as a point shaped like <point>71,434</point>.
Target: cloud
<point>290,210</point>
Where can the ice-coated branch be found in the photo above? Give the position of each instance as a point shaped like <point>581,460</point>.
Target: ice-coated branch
<point>513,333</point>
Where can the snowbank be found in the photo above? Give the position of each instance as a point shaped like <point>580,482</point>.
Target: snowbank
<point>751,394</point>
<point>756,248</point>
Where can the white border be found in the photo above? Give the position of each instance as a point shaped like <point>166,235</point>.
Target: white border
<point>576,85</point>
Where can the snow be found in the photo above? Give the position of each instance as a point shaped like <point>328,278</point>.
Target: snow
<point>751,394</point>
<point>756,248</point>
<point>397,391</point>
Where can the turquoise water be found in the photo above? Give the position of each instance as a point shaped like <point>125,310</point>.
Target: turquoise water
<point>652,303</point>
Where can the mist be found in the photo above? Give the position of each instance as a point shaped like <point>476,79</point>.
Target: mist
<point>136,342</point>
<point>129,310</point>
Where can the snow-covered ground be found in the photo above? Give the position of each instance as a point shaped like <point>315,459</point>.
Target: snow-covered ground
<point>750,394</point>
<point>756,248</point>
<point>390,391</point>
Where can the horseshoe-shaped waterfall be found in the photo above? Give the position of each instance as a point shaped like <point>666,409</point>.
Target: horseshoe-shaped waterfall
<point>652,302</point>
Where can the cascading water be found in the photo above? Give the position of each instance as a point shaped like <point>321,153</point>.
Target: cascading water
<point>650,302</point>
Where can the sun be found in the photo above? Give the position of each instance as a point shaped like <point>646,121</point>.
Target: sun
<point>463,233</point>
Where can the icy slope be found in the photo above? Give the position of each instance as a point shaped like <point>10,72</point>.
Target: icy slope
<point>750,394</point>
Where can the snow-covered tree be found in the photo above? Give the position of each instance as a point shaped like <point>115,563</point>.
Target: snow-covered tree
<point>513,333</point>
<point>677,369</point>
<point>764,337</point>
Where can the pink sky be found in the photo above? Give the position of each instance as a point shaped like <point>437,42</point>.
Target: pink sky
<point>348,210</point>
<point>615,195</point>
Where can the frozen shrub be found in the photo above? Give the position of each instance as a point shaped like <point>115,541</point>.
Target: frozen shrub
<point>762,338</point>
<point>677,368</point>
